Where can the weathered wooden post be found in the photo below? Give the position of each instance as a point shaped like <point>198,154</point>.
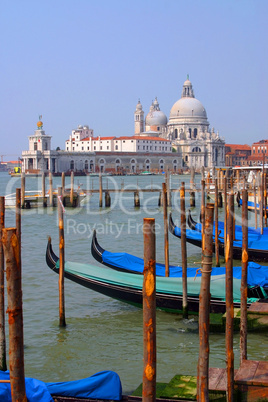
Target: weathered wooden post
<point>3,364</point>
<point>244,288</point>
<point>72,190</point>
<point>192,188</point>
<point>203,205</point>
<point>149,313</point>
<point>100,190</point>
<point>107,199</point>
<point>18,217</point>
<point>229,299</point>
<point>11,247</point>
<point>23,190</point>
<point>44,200</point>
<point>255,202</point>
<point>183,252</point>
<point>51,190</point>
<point>137,199</point>
<point>63,183</point>
<point>225,209</point>
<point>165,229</point>
<point>265,198</point>
<point>237,179</point>
<point>160,199</point>
<point>217,246</point>
<point>204,305</point>
<point>62,321</point>
<point>167,180</point>
<point>261,203</point>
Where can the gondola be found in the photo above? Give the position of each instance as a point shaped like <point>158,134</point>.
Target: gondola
<point>257,243</point>
<point>127,287</point>
<point>193,225</point>
<point>124,262</point>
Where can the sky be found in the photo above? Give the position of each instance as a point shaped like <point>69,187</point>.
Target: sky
<point>89,62</point>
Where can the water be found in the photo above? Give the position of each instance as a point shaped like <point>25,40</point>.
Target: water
<point>101,333</point>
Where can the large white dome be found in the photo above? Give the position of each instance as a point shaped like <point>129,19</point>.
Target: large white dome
<point>187,108</point>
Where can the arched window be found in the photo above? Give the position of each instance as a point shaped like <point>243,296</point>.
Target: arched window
<point>190,132</point>
<point>116,147</point>
<point>72,165</point>
<point>195,132</point>
<point>176,133</point>
<point>118,161</point>
<point>196,149</point>
<point>86,165</point>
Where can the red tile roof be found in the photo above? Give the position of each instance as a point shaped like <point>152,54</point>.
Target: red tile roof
<point>239,146</point>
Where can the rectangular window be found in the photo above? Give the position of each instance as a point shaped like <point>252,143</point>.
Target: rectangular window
<point>107,146</point>
<point>94,148</point>
<point>101,148</point>
<point>82,148</point>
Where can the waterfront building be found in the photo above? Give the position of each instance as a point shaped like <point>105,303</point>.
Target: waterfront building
<point>41,158</point>
<point>236,154</point>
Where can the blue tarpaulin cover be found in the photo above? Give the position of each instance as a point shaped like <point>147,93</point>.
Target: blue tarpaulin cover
<point>102,385</point>
<point>256,241</point>
<point>257,274</point>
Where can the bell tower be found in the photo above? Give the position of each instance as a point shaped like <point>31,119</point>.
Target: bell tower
<point>139,119</point>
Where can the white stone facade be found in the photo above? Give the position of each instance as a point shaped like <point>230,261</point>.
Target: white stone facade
<point>187,128</point>
<point>119,144</point>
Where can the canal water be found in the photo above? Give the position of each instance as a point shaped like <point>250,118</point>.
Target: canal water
<point>101,333</point>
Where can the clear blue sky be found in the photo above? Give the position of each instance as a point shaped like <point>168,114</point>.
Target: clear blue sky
<point>88,62</point>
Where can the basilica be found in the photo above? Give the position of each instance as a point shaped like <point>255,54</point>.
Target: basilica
<point>187,128</point>
<point>158,144</point>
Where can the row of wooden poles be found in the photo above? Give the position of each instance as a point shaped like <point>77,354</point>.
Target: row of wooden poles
<point>50,199</point>
<point>149,302</point>
<point>10,248</point>
<point>149,289</point>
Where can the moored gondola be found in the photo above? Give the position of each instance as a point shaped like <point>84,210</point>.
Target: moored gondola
<point>257,243</point>
<point>127,287</point>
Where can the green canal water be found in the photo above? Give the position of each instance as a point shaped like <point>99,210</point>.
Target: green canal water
<point>101,333</point>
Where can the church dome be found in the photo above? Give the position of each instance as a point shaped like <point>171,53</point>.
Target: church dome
<point>188,107</point>
<point>156,118</point>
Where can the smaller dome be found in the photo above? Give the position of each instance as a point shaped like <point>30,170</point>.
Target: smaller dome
<point>156,118</point>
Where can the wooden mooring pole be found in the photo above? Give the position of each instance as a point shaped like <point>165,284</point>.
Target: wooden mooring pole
<point>217,246</point>
<point>72,190</point>
<point>18,217</point>
<point>3,364</point>
<point>62,321</point>
<point>166,245</point>
<point>203,205</point>
<point>23,190</point>
<point>229,299</point>
<point>183,252</point>
<point>51,190</point>
<point>261,203</point>
<point>44,200</point>
<point>255,203</point>
<point>100,190</point>
<point>15,321</point>
<point>244,288</point>
<point>204,305</point>
<point>149,313</point>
